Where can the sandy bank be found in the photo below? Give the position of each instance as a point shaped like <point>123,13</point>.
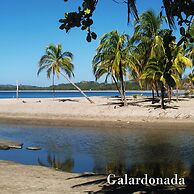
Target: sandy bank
<point>105,112</point>
<point>22,179</point>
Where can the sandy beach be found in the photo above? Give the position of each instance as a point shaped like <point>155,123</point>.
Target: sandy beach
<point>106,111</point>
<point>36,179</point>
<point>78,112</point>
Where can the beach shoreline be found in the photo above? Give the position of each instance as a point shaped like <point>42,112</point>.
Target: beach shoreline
<point>38,120</point>
<point>106,112</point>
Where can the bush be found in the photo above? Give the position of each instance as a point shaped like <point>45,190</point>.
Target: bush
<point>134,96</point>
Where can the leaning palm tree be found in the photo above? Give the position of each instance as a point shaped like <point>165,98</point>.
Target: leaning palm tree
<point>56,62</point>
<point>111,59</point>
<point>100,70</point>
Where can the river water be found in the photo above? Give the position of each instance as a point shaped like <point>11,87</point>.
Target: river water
<point>153,151</point>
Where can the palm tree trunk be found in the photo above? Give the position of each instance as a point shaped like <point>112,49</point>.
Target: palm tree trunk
<point>122,95</point>
<point>122,85</point>
<point>77,88</point>
<point>153,94</point>
<point>162,95</point>
<point>53,86</point>
<point>157,92</point>
<point>115,81</point>
<point>177,94</point>
<point>169,94</point>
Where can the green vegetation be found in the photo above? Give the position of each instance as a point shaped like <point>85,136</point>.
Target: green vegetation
<point>111,59</point>
<point>91,85</point>
<point>180,10</point>
<point>151,57</point>
<point>96,86</point>
<point>55,61</point>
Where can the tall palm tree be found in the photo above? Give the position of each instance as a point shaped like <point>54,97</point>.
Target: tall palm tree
<point>144,34</point>
<point>111,59</point>
<point>100,70</point>
<point>55,62</point>
<point>157,68</point>
<point>190,46</point>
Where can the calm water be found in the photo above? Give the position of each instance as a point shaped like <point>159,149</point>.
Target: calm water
<point>49,94</point>
<point>104,150</point>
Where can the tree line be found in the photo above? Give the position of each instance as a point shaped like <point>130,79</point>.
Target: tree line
<point>151,56</point>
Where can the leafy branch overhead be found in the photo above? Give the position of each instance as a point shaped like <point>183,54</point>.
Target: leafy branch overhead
<point>180,10</point>
<point>82,18</point>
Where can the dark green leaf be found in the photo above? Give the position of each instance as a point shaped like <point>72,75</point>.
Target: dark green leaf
<point>94,36</point>
<point>182,31</point>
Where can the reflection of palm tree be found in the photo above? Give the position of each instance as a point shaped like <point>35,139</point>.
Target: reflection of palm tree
<point>57,164</point>
<point>159,170</point>
<point>153,170</point>
<point>116,167</point>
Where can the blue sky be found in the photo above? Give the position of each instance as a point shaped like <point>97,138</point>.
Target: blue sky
<point>28,26</point>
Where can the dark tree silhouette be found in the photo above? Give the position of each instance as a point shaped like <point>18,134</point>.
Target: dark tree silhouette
<point>181,10</point>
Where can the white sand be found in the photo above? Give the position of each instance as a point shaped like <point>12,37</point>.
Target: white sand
<point>104,109</point>
<point>16,178</point>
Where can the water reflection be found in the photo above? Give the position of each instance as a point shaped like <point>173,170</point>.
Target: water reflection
<point>155,151</point>
<point>162,169</point>
<point>66,165</point>
<point>153,170</point>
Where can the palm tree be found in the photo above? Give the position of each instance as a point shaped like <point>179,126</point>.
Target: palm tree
<point>144,34</point>
<point>190,46</point>
<point>190,79</point>
<point>111,59</point>
<point>157,68</point>
<point>55,61</point>
<point>100,70</point>
<point>180,63</point>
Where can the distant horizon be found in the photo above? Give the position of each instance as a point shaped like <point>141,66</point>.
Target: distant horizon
<point>100,82</point>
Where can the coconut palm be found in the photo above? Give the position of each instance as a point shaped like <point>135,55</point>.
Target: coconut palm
<point>55,62</point>
<point>100,70</point>
<point>144,34</point>
<point>190,45</point>
<point>157,68</point>
<point>190,79</point>
<point>180,63</point>
<point>111,59</point>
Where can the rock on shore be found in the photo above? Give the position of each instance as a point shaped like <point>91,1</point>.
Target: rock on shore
<point>8,144</point>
